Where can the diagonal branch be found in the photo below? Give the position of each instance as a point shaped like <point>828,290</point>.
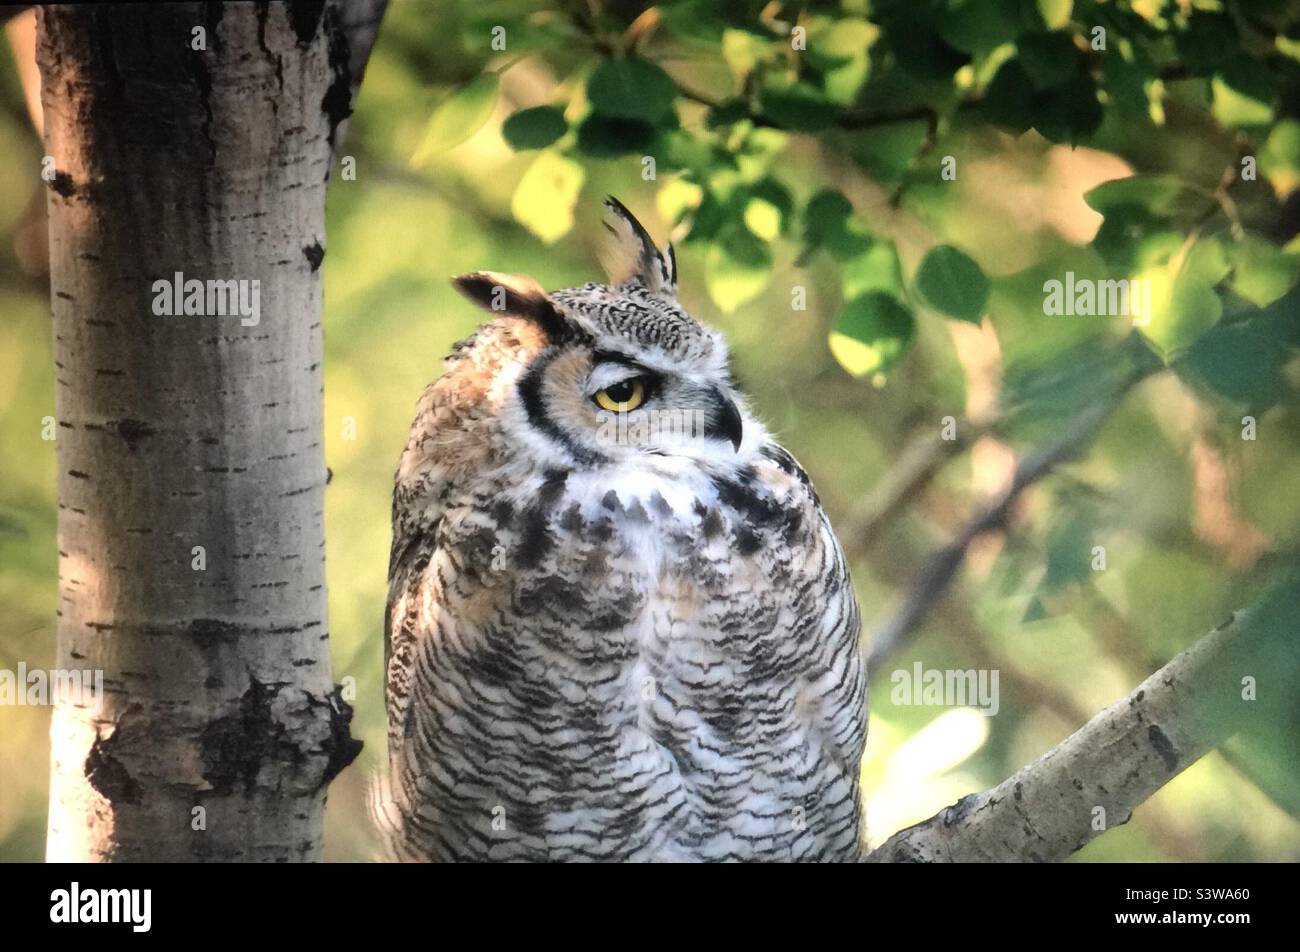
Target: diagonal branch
<point>939,570</point>
<point>1097,776</point>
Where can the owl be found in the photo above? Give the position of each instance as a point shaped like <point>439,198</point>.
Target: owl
<point>619,625</point>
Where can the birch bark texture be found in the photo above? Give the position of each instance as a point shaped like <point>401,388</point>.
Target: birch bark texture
<point>195,140</point>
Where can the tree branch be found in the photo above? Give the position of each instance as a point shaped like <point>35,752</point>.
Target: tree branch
<point>919,462</point>
<point>941,567</point>
<point>1097,776</point>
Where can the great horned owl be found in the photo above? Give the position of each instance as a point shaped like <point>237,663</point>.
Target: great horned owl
<point>619,624</point>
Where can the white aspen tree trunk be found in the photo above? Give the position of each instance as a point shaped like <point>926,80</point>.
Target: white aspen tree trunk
<point>191,466</point>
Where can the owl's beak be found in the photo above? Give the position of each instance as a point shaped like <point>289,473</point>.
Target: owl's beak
<point>724,420</point>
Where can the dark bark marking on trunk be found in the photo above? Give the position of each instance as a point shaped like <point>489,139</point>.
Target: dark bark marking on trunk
<point>63,185</point>
<point>341,747</point>
<point>107,775</point>
<point>337,102</point>
<point>233,748</point>
<point>314,254</point>
<point>304,19</point>
<point>277,62</point>
<point>133,432</point>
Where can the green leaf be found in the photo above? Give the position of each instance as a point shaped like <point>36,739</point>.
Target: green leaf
<point>799,106</point>
<point>1163,195</point>
<point>1069,551</point>
<point>876,269</point>
<point>1279,159</point>
<point>1243,361</point>
<point>872,334</point>
<point>1035,611</point>
<point>1049,58</point>
<point>1063,111</point>
<point>458,117</point>
<point>546,195</point>
<point>1182,309</point>
<point>1008,101</point>
<point>952,283</point>
<point>829,224</point>
<point>1244,94</point>
<point>737,268</point>
<point>534,128</point>
<point>1262,272</point>
<point>1209,40</point>
<point>839,49</point>
<point>887,152</point>
<point>632,88</point>
<point>1132,239</point>
<point>1208,260</point>
<point>743,51</point>
<point>604,137</point>
<point>1055,13</point>
<point>763,218</point>
<point>1069,113</point>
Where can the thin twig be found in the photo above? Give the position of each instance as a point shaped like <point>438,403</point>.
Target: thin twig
<point>938,571</point>
<point>918,464</point>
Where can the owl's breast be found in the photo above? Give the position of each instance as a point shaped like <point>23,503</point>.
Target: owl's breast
<point>674,650</point>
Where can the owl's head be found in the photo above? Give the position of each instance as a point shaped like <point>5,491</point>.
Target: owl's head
<point>620,370</point>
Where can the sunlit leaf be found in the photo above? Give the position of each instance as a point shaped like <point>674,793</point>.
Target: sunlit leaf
<point>458,117</point>
<point>737,268</point>
<point>1208,260</point>
<point>1279,159</point>
<point>1262,272</point>
<point>676,197</point>
<point>742,51</point>
<point>763,218</point>
<point>1244,94</point>
<point>546,195</point>
<point>1055,13</point>
<point>1182,309</point>
<point>840,50</point>
<point>872,334</point>
<point>876,269</point>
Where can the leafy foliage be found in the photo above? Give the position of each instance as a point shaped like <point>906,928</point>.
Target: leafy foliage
<point>891,90</point>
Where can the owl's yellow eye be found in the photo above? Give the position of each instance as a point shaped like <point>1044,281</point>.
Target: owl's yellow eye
<point>621,397</point>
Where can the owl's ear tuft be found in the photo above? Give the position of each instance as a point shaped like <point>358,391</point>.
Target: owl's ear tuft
<point>518,295</point>
<point>629,255</point>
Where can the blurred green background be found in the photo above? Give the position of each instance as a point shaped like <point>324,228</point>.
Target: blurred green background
<point>776,174</point>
